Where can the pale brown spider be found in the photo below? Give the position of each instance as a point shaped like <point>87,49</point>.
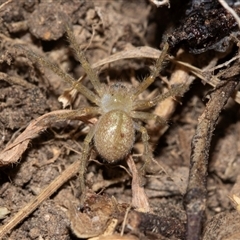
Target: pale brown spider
<point>118,107</point>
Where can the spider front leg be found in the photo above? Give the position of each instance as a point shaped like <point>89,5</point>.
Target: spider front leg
<point>153,74</point>
<point>66,77</point>
<point>175,91</point>
<point>91,73</point>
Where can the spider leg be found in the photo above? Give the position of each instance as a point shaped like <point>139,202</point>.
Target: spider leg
<point>153,74</point>
<point>145,116</point>
<point>66,77</point>
<point>178,90</point>
<point>75,114</point>
<point>91,73</point>
<point>83,164</point>
<point>78,115</point>
<point>51,118</point>
<point>147,155</point>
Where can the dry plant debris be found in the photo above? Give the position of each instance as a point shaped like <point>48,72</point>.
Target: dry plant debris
<point>207,26</point>
<point>195,197</point>
<point>46,143</point>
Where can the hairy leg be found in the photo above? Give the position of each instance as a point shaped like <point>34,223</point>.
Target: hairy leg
<point>153,74</point>
<point>83,164</point>
<point>145,116</point>
<point>66,77</point>
<point>147,154</point>
<point>178,90</point>
<point>54,117</point>
<point>91,73</point>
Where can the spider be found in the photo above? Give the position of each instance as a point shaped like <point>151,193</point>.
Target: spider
<point>118,107</point>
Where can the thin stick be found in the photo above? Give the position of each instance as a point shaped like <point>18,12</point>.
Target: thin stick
<point>2,5</point>
<point>125,220</point>
<point>46,193</point>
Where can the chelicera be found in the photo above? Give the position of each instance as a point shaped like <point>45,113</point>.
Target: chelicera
<point>118,107</point>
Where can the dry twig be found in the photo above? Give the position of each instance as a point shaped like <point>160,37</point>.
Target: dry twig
<point>45,193</point>
<point>195,197</point>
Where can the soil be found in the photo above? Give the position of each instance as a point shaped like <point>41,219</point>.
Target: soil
<point>29,90</point>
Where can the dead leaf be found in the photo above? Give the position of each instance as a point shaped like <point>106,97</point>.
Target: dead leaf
<point>13,152</point>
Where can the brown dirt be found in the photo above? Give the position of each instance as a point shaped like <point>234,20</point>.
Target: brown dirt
<point>27,91</point>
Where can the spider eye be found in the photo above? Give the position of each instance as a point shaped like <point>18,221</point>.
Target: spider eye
<point>117,86</point>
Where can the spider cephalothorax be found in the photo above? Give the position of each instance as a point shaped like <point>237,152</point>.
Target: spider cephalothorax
<point>118,106</point>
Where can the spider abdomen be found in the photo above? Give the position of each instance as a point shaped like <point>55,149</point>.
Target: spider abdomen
<point>114,135</point>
